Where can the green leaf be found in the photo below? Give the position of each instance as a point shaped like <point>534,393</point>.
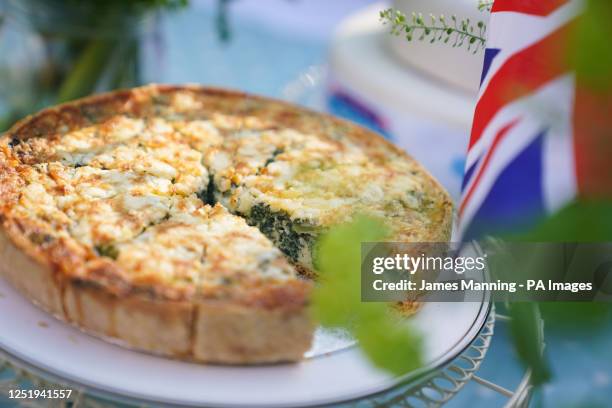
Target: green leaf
<point>389,344</point>
<point>579,221</point>
<point>570,315</point>
<point>526,332</point>
<point>384,336</point>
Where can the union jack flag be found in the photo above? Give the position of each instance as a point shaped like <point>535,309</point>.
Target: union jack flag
<point>528,153</point>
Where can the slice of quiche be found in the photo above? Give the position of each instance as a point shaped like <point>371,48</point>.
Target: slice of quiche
<point>178,220</point>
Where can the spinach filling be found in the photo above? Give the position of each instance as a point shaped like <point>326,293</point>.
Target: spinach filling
<point>207,194</point>
<point>292,237</point>
<point>295,238</point>
<point>282,230</point>
<point>107,250</point>
<point>272,158</point>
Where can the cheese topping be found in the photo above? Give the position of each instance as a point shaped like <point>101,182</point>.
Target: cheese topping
<point>138,189</point>
<point>314,178</point>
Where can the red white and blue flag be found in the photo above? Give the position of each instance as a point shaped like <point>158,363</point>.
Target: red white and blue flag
<point>525,159</point>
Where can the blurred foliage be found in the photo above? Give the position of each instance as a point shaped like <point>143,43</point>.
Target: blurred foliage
<point>222,20</point>
<point>88,46</point>
<point>590,47</point>
<point>385,337</point>
<point>580,221</point>
<point>130,3</point>
<point>527,336</point>
<point>101,5</point>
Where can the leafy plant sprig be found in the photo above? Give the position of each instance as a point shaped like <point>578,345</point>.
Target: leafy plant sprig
<point>458,32</point>
<point>485,5</point>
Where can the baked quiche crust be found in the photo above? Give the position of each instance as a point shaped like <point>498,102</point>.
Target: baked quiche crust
<point>124,214</point>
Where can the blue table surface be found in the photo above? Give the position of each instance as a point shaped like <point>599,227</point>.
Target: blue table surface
<point>272,42</point>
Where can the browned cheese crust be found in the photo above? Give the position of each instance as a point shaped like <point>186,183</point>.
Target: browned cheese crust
<point>121,215</point>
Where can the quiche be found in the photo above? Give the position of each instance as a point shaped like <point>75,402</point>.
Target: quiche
<point>183,220</point>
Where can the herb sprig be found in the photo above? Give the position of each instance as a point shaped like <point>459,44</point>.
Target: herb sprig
<point>458,32</point>
<point>485,5</point>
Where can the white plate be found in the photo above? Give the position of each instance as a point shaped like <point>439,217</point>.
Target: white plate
<point>333,371</point>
